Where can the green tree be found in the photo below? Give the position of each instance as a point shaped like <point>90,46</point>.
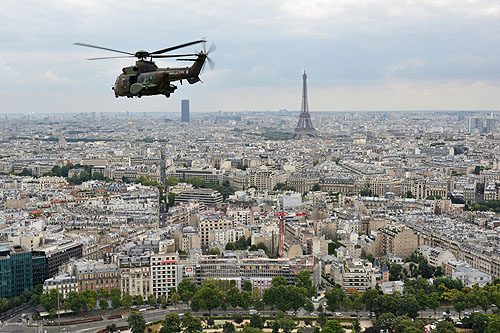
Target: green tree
<point>404,324</point>
<point>248,329</point>
<point>171,324</point>
<point>368,298</point>
<point>136,322</point>
<point>195,181</point>
<point>256,321</point>
<point>233,297</point>
<point>228,327</point>
<point>138,300</point>
<point>247,286</point>
<point>303,281</point>
<point>237,317</point>
<point>49,300</point>
<point>356,326</point>
<point>215,251</point>
<point>395,272</point>
<point>477,321</point>
<point>115,302</point>
<point>422,300</point>
<point>75,301</point>
<point>445,327</point>
<point>186,289</point>
<point>279,281</point>
<point>316,188</point>
<point>333,326</point>
<point>103,293</point>
<point>103,303</point>
<point>127,300</point>
<point>481,298</point>
<point>191,324</point>
<point>172,181</point>
<point>207,298</point>
<point>434,302</point>
<point>334,297</point>
<point>287,324</point>
<point>245,300</point>
<point>230,246</point>
<point>309,306</point>
<point>460,303</point>
<point>411,307</point>
<point>116,292</point>
<point>241,244</point>
<point>365,192</point>
<point>386,320</point>
<point>493,325</point>
<point>152,300</point>
<point>174,298</point>
<point>171,199</point>
<point>262,246</point>
<point>91,303</point>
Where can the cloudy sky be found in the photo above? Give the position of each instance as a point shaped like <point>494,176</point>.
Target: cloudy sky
<point>359,54</point>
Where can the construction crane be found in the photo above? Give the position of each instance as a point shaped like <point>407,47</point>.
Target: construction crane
<point>282,215</point>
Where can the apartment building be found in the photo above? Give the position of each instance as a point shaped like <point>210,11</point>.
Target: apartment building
<point>210,223</point>
<point>163,273</point>
<point>63,283</point>
<point>397,240</point>
<point>95,275</point>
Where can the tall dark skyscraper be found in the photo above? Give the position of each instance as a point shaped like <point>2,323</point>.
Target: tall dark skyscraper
<point>304,126</point>
<point>185,110</point>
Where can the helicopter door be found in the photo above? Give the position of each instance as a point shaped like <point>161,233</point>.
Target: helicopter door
<point>126,83</point>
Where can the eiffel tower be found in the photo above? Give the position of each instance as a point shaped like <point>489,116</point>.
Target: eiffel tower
<point>304,126</point>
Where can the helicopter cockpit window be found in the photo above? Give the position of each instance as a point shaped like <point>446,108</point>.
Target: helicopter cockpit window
<point>140,78</point>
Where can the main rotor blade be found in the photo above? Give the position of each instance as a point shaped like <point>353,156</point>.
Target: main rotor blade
<point>174,55</point>
<point>168,49</point>
<point>100,58</point>
<point>186,59</point>
<point>102,48</point>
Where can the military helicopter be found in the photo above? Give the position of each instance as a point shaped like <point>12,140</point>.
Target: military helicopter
<point>146,79</point>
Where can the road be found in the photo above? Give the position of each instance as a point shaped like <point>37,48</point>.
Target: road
<point>13,326</point>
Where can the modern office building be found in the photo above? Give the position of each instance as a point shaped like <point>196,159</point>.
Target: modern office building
<point>207,196</point>
<point>40,273</point>
<point>15,270</point>
<point>58,254</point>
<point>185,111</point>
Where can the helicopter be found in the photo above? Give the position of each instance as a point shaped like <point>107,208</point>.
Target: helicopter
<point>146,79</point>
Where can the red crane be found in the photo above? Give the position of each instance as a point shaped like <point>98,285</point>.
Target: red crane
<point>282,215</point>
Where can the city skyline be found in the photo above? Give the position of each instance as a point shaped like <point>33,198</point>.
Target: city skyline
<point>381,55</point>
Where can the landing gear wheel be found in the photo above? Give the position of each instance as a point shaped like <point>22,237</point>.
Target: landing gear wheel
<point>167,95</point>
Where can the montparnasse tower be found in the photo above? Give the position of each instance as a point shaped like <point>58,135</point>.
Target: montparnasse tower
<point>304,126</point>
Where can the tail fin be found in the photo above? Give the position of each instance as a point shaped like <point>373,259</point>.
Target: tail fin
<point>197,66</point>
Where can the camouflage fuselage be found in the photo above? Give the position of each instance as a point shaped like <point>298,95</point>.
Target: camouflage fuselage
<point>145,78</point>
